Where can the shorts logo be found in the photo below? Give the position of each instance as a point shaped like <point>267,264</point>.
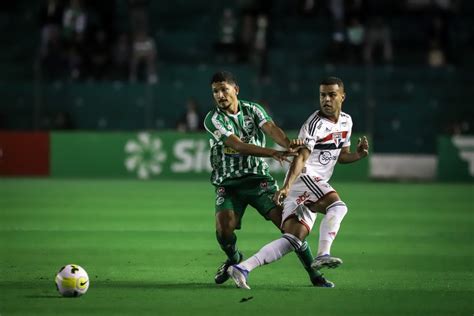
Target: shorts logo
<point>325,157</point>
<point>217,134</point>
<point>219,200</point>
<point>220,191</point>
<point>264,185</point>
<point>303,197</point>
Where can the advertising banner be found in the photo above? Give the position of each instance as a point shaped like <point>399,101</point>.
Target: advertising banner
<point>24,154</point>
<point>456,158</point>
<point>151,155</point>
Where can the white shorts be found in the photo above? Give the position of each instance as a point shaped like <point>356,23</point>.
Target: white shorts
<point>305,190</point>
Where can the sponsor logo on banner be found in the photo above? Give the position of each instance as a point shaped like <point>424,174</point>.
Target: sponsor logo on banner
<point>465,145</point>
<point>145,155</point>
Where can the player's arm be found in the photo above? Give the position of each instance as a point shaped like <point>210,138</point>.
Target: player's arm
<point>296,167</point>
<point>346,156</point>
<point>276,133</point>
<point>252,150</point>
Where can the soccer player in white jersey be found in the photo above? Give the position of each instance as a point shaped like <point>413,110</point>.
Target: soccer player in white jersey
<point>326,134</point>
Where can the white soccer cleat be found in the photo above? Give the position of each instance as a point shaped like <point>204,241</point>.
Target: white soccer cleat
<point>326,261</point>
<point>239,276</point>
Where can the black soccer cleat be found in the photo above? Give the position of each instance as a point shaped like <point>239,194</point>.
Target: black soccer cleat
<point>222,275</point>
<point>321,281</point>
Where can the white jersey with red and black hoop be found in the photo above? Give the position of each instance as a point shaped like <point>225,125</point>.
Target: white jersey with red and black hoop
<point>324,139</point>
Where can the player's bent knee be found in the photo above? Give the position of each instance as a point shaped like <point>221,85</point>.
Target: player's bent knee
<point>338,207</point>
<point>293,227</point>
<point>322,204</point>
<point>294,241</point>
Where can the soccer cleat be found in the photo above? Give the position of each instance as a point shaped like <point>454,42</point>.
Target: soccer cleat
<point>239,276</point>
<point>321,281</point>
<point>222,275</point>
<point>326,261</point>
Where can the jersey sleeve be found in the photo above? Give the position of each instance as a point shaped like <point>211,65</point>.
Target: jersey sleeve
<point>261,116</point>
<point>347,142</point>
<point>309,140</point>
<point>215,126</point>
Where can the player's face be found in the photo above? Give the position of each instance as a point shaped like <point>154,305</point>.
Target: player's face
<point>330,100</point>
<point>225,95</point>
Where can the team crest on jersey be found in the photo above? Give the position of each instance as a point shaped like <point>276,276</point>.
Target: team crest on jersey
<point>217,133</point>
<point>337,138</point>
<point>248,123</point>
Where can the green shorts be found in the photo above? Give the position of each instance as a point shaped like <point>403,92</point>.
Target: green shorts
<point>254,190</point>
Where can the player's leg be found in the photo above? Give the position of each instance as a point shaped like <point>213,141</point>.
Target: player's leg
<point>303,252</point>
<point>263,202</point>
<point>334,210</point>
<point>228,215</point>
<point>270,252</point>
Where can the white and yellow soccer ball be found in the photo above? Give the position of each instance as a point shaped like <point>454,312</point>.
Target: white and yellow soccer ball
<point>72,281</point>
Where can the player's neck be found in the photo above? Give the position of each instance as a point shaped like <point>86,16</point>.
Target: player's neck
<point>233,109</point>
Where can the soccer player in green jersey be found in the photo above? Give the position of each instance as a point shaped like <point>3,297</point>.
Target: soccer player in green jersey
<point>241,177</point>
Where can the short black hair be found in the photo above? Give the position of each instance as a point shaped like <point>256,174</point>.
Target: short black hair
<point>225,76</point>
<point>329,81</point>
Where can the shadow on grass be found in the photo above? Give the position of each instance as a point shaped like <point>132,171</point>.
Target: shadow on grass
<point>43,296</point>
<point>189,286</point>
<point>159,285</point>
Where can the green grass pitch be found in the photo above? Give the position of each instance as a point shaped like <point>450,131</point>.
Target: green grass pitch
<point>150,249</point>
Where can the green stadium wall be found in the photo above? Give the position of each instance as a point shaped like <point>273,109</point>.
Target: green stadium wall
<point>456,158</point>
<point>150,155</point>
<point>171,155</point>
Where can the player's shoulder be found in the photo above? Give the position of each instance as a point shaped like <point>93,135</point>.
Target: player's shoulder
<point>314,119</point>
<point>249,104</point>
<point>346,117</point>
<point>212,116</point>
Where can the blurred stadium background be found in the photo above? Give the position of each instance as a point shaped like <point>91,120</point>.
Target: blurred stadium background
<point>93,93</point>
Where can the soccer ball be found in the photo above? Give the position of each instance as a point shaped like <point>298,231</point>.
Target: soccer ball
<point>72,281</point>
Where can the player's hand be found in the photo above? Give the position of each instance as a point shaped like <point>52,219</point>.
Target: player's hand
<point>281,156</point>
<point>363,147</point>
<point>295,145</point>
<point>280,195</point>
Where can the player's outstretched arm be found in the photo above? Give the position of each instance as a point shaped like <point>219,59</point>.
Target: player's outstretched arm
<point>296,167</point>
<point>252,150</point>
<point>276,133</point>
<point>362,151</point>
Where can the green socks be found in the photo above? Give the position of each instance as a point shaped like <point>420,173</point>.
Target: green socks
<point>229,246</point>
<point>306,258</point>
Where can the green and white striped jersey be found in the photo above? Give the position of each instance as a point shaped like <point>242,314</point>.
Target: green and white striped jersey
<point>246,124</point>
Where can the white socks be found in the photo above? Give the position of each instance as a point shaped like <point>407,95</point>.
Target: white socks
<point>272,252</point>
<point>330,226</point>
